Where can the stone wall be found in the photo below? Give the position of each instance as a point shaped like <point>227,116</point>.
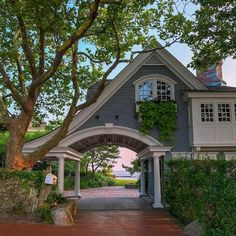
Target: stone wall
<point>17,196</point>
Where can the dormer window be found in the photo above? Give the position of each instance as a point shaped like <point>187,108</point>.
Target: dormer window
<point>154,88</point>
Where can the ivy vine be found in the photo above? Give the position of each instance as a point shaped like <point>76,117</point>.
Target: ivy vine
<point>161,114</point>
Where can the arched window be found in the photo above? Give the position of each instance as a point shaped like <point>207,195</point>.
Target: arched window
<point>154,88</point>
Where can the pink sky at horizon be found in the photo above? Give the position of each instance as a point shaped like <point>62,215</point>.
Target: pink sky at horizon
<point>127,156</point>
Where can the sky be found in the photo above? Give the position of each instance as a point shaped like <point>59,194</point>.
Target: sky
<point>183,54</point>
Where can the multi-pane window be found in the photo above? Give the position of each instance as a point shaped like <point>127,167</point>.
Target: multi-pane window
<point>224,112</point>
<point>163,91</point>
<point>207,113</point>
<point>145,91</point>
<point>154,90</point>
<point>235,111</point>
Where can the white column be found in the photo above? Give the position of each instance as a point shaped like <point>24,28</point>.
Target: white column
<point>157,182</point>
<point>77,179</point>
<point>61,161</point>
<point>142,179</point>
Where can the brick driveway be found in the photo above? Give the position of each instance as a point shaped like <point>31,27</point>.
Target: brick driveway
<point>141,220</point>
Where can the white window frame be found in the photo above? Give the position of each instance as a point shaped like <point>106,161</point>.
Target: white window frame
<point>234,111</point>
<point>214,115</point>
<point>230,112</point>
<point>154,79</point>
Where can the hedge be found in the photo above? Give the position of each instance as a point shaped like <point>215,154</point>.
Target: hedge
<point>204,190</point>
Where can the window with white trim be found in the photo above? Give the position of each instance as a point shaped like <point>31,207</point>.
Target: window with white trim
<point>207,112</point>
<point>154,88</point>
<point>224,112</point>
<point>163,91</point>
<point>235,111</point>
<point>145,91</point>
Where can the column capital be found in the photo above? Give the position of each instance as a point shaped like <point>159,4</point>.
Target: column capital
<point>158,154</point>
<point>61,156</point>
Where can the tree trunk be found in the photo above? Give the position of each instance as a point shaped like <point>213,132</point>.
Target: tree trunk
<point>17,130</point>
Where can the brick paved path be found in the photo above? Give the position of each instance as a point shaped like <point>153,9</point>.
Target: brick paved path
<point>144,221</point>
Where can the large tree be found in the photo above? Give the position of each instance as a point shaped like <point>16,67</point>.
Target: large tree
<point>102,158</point>
<point>213,35</point>
<point>210,31</point>
<point>52,51</point>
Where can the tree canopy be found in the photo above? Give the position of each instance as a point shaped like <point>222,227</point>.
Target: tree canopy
<point>52,51</point>
<point>101,158</point>
<point>211,31</point>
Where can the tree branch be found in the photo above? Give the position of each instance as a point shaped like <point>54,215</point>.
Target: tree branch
<point>21,76</point>
<point>89,57</point>
<point>19,65</point>
<point>62,131</point>
<point>110,1</point>
<point>41,51</point>
<point>66,46</point>
<point>4,111</point>
<point>106,74</point>
<point>155,49</point>
<point>26,47</point>
<point>7,82</point>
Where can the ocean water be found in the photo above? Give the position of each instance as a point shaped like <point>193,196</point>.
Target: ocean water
<point>125,175</point>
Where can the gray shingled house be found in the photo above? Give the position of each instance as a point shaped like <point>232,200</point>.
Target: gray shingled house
<point>206,119</point>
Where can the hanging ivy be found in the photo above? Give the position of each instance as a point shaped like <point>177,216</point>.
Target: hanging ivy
<point>161,114</point>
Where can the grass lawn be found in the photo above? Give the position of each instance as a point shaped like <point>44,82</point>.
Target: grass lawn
<point>122,182</point>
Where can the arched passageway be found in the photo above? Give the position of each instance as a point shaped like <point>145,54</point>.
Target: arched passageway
<point>148,149</point>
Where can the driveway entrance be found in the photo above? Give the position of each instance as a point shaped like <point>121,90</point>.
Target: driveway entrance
<point>109,211</point>
<point>116,211</point>
<point>112,198</point>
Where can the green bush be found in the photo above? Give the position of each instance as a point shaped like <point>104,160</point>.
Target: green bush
<point>203,190</point>
<point>29,177</point>
<point>44,213</point>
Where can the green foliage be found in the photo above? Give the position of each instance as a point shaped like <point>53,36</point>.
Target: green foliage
<point>88,180</point>
<point>102,158</point>
<point>123,182</point>
<point>158,113</point>
<point>69,172</point>
<point>134,168</point>
<point>209,32</point>
<point>55,198</point>
<point>136,23</point>
<point>30,136</point>
<point>44,213</point>
<point>35,178</point>
<point>203,190</point>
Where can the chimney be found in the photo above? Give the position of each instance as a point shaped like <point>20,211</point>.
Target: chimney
<point>212,77</point>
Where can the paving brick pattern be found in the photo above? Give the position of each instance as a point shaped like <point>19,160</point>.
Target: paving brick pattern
<point>115,219</point>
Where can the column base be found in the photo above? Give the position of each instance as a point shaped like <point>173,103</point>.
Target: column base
<point>157,205</point>
<point>142,195</point>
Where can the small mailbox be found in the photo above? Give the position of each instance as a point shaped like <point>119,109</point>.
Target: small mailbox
<point>50,179</point>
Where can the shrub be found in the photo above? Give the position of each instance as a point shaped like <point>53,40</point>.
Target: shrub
<point>203,190</point>
<point>44,213</point>
<point>29,178</point>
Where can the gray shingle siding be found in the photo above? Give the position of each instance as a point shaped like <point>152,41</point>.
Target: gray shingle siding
<point>122,104</point>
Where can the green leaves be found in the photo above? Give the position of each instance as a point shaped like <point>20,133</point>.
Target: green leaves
<point>158,114</point>
<point>203,190</point>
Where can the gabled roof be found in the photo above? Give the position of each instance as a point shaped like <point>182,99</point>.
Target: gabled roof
<point>173,64</point>
<point>163,57</point>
